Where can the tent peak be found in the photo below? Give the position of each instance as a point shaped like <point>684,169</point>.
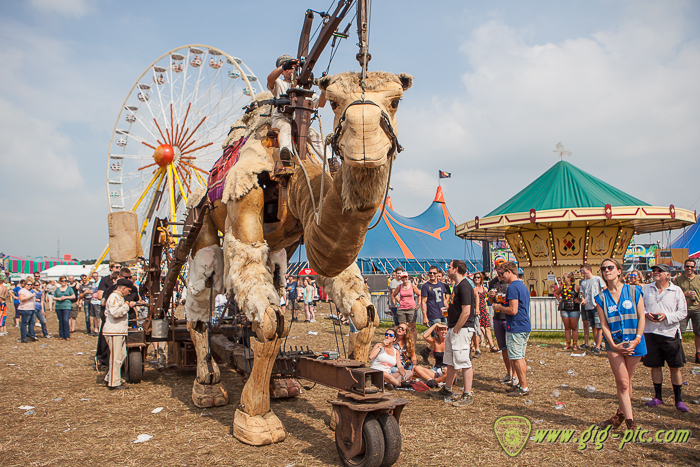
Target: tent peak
<point>439,196</point>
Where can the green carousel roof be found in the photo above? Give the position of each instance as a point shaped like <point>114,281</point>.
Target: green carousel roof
<point>565,186</point>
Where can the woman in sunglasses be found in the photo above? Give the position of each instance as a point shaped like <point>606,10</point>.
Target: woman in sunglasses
<point>438,373</point>
<point>620,308</point>
<point>384,357</point>
<point>634,277</point>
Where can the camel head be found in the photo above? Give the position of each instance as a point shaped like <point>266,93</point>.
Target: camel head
<point>361,137</point>
<point>365,131</point>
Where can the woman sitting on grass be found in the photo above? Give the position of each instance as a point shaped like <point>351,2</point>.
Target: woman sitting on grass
<point>384,357</point>
<point>438,373</point>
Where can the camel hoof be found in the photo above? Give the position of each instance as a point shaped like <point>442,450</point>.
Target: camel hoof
<point>209,395</point>
<point>258,430</point>
<point>282,388</point>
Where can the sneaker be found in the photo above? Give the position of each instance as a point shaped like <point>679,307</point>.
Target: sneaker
<point>654,402</point>
<point>681,407</point>
<point>22,341</point>
<point>585,346</point>
<point>33,339</point>
<point>506,379</point>
<point>307,321</point>
<point>465,400</point>
<point>442,393</point>
<point>431,383</point>
<point>312,321</point>
<point>519,392</point>
<point>477,354</point>
<point>596,351</point>
<point>568,347</point>
<point>425,353</point>
<point>515,382</point>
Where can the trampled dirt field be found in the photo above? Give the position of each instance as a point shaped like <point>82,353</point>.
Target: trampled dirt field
<point>77,421</point>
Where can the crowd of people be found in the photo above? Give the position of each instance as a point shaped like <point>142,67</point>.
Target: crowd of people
<point>633,319</point>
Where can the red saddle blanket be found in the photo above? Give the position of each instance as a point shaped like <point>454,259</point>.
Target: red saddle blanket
<point>217,175</point>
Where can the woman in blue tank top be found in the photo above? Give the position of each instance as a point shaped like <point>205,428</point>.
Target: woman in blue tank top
<point>621,311</point>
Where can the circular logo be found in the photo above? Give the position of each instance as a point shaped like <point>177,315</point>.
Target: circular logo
<point>627,304</point>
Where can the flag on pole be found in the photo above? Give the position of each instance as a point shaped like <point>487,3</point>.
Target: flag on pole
<point>444,174</point>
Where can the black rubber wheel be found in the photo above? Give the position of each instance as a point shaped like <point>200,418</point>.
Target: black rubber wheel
<point>392,439</point>
<point>372,453</point>
<point>134,365</point>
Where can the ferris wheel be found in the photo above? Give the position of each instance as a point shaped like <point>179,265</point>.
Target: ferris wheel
<point>170,130</point>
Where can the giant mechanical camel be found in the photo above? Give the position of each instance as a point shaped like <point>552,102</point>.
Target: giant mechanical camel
<point>264,211</point>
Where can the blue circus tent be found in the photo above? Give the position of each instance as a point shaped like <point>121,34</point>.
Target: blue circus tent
<point>415,243</point>
<point>690,239</point>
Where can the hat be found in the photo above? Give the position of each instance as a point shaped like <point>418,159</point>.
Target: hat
<point>663,267</point>
<point>282,59</point>
<point>403,274</point>
<point>125,283</point>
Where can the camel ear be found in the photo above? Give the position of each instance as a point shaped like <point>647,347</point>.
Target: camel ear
<point>324,82</point>
<point>406,80</point>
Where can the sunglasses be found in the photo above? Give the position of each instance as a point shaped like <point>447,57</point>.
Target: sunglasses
<point>688,267</point>
<point>607,268</point>
<point>388,334</point>
<point>401,329</point>
<point>633,275</point>
<point>432,273</point>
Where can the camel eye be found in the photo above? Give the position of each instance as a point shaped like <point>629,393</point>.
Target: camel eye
<point>334,105</point>
<point>395,104</point>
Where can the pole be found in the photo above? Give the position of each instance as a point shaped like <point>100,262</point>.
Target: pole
<point>486,255</point>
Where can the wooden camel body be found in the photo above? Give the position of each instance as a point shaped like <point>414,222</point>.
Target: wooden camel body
<point>264,213</point>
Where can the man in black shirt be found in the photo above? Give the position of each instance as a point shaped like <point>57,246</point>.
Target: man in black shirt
<point>497,286</point>
<point>461,319</point>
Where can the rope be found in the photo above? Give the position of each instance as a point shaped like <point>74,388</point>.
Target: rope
<point>386,194</point>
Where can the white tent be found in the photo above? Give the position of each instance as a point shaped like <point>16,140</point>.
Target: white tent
<point>74,270</point>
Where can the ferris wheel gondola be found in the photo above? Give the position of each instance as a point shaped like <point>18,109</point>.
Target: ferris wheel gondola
<point>170,129</point>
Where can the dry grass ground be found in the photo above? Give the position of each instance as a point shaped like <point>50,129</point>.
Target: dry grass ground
<point>76,421</point>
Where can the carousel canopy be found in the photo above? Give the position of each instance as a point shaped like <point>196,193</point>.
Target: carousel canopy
<point>566,186</point>
<point>566,195</point>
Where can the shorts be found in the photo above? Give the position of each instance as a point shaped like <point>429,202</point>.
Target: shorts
<point>74,310</point>
<point>95,309</point>
<point>438,370</point>
<point>2,321</point>
<point>694,317</point>
<point>662,349</point>
<point>592,317</point>
<point>517,343</point>
<point>499,329</point>
<point>406,316</point>
<point>457,348</point>
<point>570,314</point>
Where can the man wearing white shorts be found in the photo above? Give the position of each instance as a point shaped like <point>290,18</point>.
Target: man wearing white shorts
<point>461,318</point>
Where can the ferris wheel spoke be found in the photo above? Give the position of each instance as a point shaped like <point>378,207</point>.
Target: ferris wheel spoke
<point>179,184</point>
<point>145,191</point>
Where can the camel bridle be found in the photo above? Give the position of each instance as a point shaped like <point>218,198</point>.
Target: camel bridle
<point>384,122</point>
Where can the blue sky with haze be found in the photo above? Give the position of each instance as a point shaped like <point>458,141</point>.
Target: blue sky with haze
<point>497,85</point>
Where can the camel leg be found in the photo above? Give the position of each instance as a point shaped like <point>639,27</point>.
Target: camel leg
<point>207,390</point>
<point>246,257</point>
<point>350,294</point>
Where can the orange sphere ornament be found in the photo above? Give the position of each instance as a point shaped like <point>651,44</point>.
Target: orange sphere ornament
<point>164,155</point>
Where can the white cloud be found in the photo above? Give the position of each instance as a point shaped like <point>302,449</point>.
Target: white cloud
<point>623,101</point>
<point>74,8</point>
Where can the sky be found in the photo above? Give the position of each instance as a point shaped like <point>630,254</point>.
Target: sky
<point>497,84</point>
